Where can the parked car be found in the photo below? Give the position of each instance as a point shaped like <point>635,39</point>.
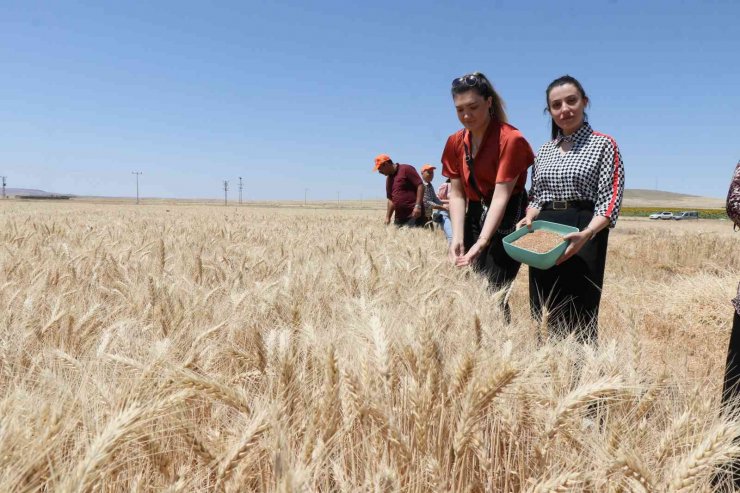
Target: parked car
<point>661,215</point>
<point>686,215</point>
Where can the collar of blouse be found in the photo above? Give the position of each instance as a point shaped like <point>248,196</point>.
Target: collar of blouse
<point>584,131</point>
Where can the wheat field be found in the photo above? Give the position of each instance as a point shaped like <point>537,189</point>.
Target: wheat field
<point>210,348</point>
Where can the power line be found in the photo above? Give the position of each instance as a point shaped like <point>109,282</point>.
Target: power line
<point>137,173</point>
<point>226,190</point>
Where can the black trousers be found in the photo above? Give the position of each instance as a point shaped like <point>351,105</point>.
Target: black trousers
<point>493,262</point>
<point>410,222</point>
<point>571,292</point>
<point>730,390</point>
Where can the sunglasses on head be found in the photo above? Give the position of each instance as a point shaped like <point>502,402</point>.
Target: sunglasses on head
<point>470,80</point>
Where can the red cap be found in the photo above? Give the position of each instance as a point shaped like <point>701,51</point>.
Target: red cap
<point>427,167</point>
<point>380,159</point>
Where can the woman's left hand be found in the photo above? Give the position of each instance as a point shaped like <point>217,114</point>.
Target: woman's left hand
<point>577,240</point>
<point>471,255</point>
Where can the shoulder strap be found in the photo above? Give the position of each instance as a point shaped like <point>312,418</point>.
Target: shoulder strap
<point>470,163</point>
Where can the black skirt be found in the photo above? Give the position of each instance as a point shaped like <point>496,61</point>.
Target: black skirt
<point>494,262</point>
<point>569,294</point>
<point>731,389</point>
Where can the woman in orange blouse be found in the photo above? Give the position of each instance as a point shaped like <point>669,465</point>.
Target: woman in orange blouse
<point>487,163</point>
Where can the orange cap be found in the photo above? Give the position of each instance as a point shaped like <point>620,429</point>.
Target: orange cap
<point>427,167</point>
<point>380,159</point>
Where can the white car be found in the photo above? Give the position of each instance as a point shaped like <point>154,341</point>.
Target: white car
<point>661,215</point>
<point>686,215</point>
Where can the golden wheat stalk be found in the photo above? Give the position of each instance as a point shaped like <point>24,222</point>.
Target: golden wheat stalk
<point>211,388</point>
<point>634,468</point>
<point>575,401</point>
<point>563,482</point>
<point>476,404</point>
<point>699,464</point>
<point>256,429</point>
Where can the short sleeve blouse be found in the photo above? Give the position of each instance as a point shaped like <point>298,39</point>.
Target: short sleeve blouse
<point>504,156</point>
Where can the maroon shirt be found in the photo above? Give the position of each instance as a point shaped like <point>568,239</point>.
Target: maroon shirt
<point>400,188</point>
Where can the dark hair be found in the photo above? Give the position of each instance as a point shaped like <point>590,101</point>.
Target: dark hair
<point>561,81</point>
<point>486,90</point>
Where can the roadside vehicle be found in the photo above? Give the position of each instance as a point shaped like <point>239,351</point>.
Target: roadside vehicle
<point>661,215</point>
<point>686,215</point>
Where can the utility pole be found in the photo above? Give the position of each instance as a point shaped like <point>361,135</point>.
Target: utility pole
<point>226,190</point>
<point>137,173</point>
<point>305,196</point>
<point>240,190</point>
<point>3,178</point>
<point>339,204</point>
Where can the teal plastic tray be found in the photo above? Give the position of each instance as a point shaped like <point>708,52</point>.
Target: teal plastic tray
<point>538,260</point>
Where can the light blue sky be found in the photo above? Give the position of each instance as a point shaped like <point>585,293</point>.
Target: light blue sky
<point>296,95</point>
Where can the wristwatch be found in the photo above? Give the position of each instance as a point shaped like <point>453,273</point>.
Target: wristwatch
<point>417,206</point>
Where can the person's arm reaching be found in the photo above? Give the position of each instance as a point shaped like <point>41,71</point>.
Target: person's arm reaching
<point>419,200</point>
<point>577,240</point>
<point>531,215</point>
<point>501,196</point>
<point>457,217</point>
<point>389,212</point>
<point>535,201</point>
<point>431,200</point>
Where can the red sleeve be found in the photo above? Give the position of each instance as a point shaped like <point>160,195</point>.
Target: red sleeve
<point>516,156</point>
<point>451,158</point>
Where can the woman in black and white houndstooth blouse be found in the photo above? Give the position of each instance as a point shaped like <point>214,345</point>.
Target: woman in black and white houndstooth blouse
<point>578,180</point>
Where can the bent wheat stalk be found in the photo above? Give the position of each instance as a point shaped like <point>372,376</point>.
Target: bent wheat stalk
<point>563,482</point>
<point>717,447</point>
<point>240,450</point>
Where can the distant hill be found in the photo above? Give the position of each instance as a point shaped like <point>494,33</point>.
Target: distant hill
<point>31,192</point>
<point>654,194</point>
<point>633,197</point>
<point>636,197</point>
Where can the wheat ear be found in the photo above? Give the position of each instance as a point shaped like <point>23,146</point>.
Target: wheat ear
<point>573,402</point>
<point>213,389</point>
<point>561,483</point>
<point>476,404</point>
<point>668,442</point>
<point>714,449</point>
<point>634,469</point>
<point>101,450</point>
<point>258,427</point>
<point>648,399</point>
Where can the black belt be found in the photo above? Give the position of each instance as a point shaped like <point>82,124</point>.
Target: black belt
<point>561,205</point>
